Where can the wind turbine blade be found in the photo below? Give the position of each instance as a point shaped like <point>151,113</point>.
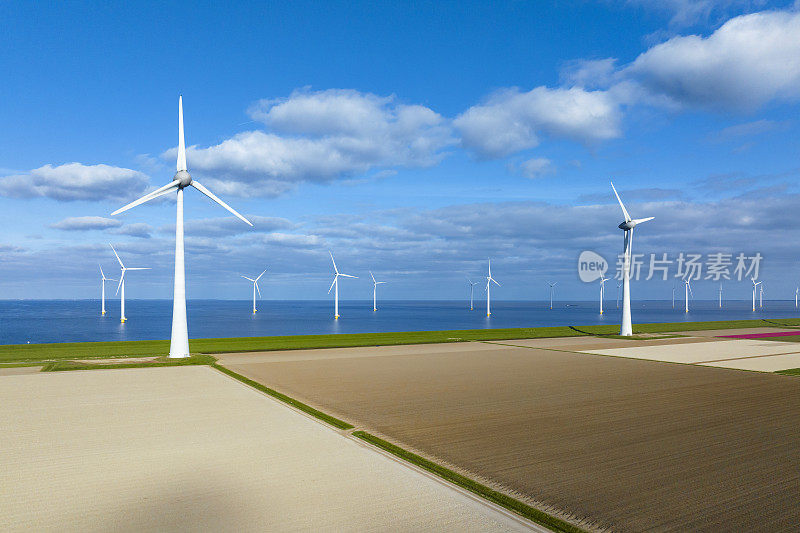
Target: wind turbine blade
<point>138,268</point>
<point>202,189</point>
<point>333,283</point>
<point>122,277</point>
<point>147,197</point>
<point>495,282</point>
<point>490,268</point>
<point>373,277</point>
<point>101,273</point>
<point>259,290</point>
<point>624,211</point>
<point>380,282</point>
<point>259,276</point>
<point>181,144</point>
<point>334,262</point>
<point>249,279</point>
<point>640,220</point>
<point>115,253</point>
<point>348,276</point>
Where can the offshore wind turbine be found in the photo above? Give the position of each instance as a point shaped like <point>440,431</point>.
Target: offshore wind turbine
<point>103,291</point>
<point>602,291</point>
<point>551,284</point>
<point>375,291</point>
<point>795,296</point>
<point>471,291</point>
<point>687,290</point>
<point>255,288</point>
<point>179,340</point>
<point>122,317</point>
<point>673,296</point>
<point>619,284</point>
<point>755,284</point>
<point>489,281</point>
<point>336,284</point>
<point>720,295</point>
<point>626,329</point>
<point>761,297</point>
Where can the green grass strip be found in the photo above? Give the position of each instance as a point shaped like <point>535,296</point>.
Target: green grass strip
<point>59,366</point>
<point>523,509</point>
<point>341,424</point>
<point>789,372</point>
<point>88,350</point>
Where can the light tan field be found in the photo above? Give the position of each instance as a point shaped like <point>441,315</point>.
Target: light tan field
<point>190,449</point>
<point>627,444</point>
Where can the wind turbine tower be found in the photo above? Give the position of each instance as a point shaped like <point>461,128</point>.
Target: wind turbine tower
<point>552,284</point>
<point>626,329</point>
<point>375,291</point>
<point>255,288</point>
<point>335,284</point>
<point>179,340</point>
<point>471,291</point>
<point>603,280</point>
<point>489,281</point>
<point>103,291</point>
<point>687,291</point>
<point>121,286</point>
<point>755,284</point>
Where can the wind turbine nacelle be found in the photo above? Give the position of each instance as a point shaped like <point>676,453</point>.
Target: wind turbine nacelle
<point>627,225</point>
<point>184,178</point>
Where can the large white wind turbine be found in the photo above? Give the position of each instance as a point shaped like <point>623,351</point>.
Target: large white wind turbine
<point>335,284</point>
<point>551,284</point>
<point>255,288</point>
<point>375,291</point>
<point>103,291</point>
<point>471,291</point>
<point>179,342</point>
<point>489,281</point>
<point>755,284</point>
<point>627,226</point>
<point>603,280</point>
<point>121,286</point>
<point>687,290</point>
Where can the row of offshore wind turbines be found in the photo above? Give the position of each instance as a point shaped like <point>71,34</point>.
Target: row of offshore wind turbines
<point>179,340</point>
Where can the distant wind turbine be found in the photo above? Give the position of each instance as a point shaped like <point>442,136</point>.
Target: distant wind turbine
<point>619,284</point>
<point>255,288</point>
<point>179,341</point>
<point>720,295</point>
<point>673,296</point>
<point>335,284</point>
<point>103,291</point>
<point>795,296</point>
<point>551,284</point>
<point>761,297</point>
<point>603,280</point>
<point>471,291</point>
<point>375,291</point>
<point>626,329</point>
<point>489,281</point>
<point>755,284</point>
<point>121,286</point>
<point>687,291</point>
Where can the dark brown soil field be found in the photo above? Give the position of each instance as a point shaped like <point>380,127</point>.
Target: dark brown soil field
<point>627,445</point>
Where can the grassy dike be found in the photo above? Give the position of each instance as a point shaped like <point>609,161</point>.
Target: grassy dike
<point>11,353</point>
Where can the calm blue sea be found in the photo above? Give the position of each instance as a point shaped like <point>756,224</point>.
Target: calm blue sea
<point>38,321</point>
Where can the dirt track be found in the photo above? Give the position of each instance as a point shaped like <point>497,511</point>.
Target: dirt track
<point>631,445</point>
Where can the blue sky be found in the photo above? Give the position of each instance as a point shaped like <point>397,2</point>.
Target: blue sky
<point>412,139</point>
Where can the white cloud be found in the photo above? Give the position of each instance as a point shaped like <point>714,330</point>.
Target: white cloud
<point>86,223</point>
<point>749,61</point>
<point>688,12</point>
<point>320,137</point>
<point>75,181</point>
<point>535,168</point>
<point>511,121</point>
<point>139,229</point>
